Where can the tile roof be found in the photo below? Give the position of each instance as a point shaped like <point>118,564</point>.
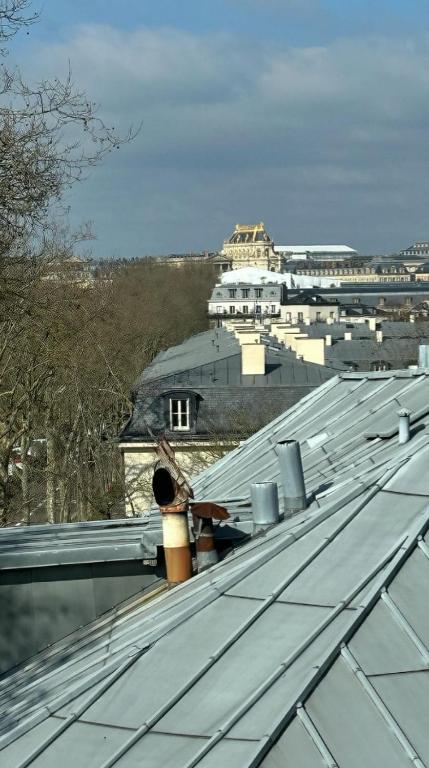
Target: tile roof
<point>308,647</point>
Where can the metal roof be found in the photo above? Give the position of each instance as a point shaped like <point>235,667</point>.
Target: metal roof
<point>213,359</point>
<point>71,543</point>
<point>308,647</point>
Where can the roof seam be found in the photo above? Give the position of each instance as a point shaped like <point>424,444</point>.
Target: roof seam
<point>381,707</point>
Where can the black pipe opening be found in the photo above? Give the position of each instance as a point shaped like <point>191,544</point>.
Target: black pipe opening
<point>164,487</point>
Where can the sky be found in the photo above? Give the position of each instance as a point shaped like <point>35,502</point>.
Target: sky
<point>310,115</point>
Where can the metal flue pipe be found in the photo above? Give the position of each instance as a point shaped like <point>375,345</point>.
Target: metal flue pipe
<point>292,476</point>
<point>404,426</point>
<point>265,504</point>
<point>174,506</point>
<point>203,514</point>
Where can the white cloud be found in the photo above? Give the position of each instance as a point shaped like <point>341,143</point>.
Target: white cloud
<point>229,126</point>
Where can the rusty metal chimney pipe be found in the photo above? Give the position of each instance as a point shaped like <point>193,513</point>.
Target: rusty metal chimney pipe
<point>175,528</point>
<point>292,476</point>
<point>204,513</point>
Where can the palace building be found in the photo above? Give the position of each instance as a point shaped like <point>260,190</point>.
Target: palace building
<point>251,246</point>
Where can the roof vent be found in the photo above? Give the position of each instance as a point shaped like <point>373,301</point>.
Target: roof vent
<point>424,356</point>
<point>292,475</point>
<point>265,504</point>
<point>404,426</point>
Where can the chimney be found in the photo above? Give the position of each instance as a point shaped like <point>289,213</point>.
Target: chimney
<point>172,497</point>
<point>379,337</point>
<point>404,426</point>
<point>412,319</point>
<point>328,340</point>
<point>307,321</point>
<point>252,359</point>
<point>423,355</point>
<point>203,514</point>
<point>372,323</point>
<point>292,476</point>
<point>265,504</point>
<point>347,336</point>
<point>329,321</point>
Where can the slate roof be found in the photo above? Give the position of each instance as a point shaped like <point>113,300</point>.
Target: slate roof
<point>209,365</point>
<point>391,329</point>
<point>309,647</point>
<point>213,359</point>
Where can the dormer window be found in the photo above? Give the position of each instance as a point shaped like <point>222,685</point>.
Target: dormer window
<point>180,414</point>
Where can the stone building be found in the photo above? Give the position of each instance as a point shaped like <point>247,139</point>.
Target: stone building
<point>251,246</point>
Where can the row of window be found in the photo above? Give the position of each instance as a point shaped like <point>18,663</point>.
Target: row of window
<point>245,293</point>
<point>271,309</point>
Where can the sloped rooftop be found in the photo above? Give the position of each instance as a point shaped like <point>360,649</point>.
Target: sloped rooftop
<point>309,647</point>
<point>213,359</point>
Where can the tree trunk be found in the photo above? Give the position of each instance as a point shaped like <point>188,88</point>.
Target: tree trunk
<point>51,479</point>
<point>26,512</point>
<point>4,491</point>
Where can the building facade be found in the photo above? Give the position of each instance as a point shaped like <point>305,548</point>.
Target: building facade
<point>251,246</point>
<point>249,300</point>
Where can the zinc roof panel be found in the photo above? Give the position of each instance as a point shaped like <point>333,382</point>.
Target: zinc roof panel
<point>294,749</point>
<point>412,477</point>
<point>350,725</point>
<point>246,665</point>
<point>261,582</point>
<point>354,551</point>
<point>128,705</point>
<point>409,594</point>
<point>407,698</point>
<point>262,716</point>
<point>82,744</point>
<point>382,646</point>
<point>160,750</point>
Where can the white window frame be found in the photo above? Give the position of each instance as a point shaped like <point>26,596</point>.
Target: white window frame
<point>183,413</point>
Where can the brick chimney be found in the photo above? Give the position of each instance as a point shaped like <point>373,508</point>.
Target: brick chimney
<point>252,359</point>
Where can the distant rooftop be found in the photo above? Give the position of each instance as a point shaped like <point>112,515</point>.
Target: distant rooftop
<point>249,233</point>
<point>321,249</point>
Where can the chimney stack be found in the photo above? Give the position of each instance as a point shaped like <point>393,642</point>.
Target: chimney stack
<point>347,336</point>
<point>379,337</point>
<point>328,340</point>
<point>372,323</point>
<point>252,359</point>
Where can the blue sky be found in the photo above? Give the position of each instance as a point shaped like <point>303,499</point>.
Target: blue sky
<point>311,115</point>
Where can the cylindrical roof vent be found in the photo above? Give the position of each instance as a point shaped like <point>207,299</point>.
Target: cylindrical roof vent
<point>404,426</point>
<point>292,475</point>
<point>265,504</point>
<point>424,356</point>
